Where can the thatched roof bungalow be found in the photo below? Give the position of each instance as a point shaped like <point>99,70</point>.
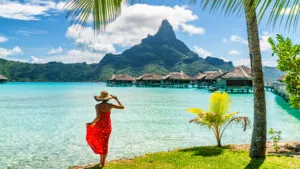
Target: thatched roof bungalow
<point>240,76</point>
<point>149,80</point>
<point>120,80</point>
<point>213,75</point>
<point>3,78</point>
<point>199,76</point>
<point>207,78</point>
<point>176,79</point>
<point>280,79</point>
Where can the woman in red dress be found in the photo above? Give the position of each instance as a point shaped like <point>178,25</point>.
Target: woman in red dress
<point>99,130</point>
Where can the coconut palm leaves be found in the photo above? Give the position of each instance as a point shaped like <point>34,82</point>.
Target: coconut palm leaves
<point>106,11</point>
<point>217,117</point>
<point>103,11</point>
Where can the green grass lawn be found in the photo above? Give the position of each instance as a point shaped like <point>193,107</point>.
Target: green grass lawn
<point>206,158</point>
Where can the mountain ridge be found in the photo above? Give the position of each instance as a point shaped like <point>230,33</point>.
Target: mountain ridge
<point>160,53</point>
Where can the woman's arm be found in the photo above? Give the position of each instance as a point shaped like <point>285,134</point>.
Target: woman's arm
<point>120,106</point>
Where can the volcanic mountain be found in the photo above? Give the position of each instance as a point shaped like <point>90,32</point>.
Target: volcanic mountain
<point>161,53</point>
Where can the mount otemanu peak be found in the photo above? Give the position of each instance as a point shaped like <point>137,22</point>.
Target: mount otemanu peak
<point>160,54</point>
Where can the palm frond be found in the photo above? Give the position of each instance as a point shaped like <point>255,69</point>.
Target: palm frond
<point>103,12</point>
<point>242,120</point>
<point>277,12</point>
<point>195,111</point>
<point>219,103</point>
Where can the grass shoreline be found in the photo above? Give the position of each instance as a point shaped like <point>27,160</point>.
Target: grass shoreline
<point>210,157</point>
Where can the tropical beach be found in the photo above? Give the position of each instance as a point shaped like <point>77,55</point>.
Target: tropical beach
<point>145,85</point>
<point>57,138</point>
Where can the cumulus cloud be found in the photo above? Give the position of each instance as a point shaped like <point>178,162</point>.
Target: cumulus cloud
<point>10,52</point>
<point>135,23</point>
<point>72,56</point>
<point>287,11</point>
<point>234,52</point>
<point>202,52</point>
<point>3,39</point>
<point>55,51</point>
<point>192,30</point>
<point>243,61</point>
<point>30,10</point>
<point>264,43</point>
<point>236,38</point>
<point>224,40</point>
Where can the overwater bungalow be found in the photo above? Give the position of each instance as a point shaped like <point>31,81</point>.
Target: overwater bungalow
<point>120,80</point>
<point>239,79</point>
<point>176,79</point>
<point>280,79</point>
<point>3,79</point>
<point>211,77</point>
<point>199,79</point>
<point>149,80</point>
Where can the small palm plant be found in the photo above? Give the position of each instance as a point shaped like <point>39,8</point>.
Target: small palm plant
<point>217,118</point>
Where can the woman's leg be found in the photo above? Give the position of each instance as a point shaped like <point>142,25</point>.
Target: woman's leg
<point>104,158</point>
<point>101,159</point>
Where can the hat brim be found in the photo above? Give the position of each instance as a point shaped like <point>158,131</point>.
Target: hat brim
<point>98,98</point>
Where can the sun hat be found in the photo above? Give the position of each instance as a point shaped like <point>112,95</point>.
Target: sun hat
<point>104,96</point>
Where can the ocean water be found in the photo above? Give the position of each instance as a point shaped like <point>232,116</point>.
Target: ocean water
<point>42,125</point>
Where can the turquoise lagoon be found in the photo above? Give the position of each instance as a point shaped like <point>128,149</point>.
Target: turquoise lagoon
<point>42,125</point>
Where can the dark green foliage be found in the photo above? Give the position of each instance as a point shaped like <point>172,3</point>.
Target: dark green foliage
<point>289,61</point>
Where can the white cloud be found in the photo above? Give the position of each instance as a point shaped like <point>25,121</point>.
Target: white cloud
<point>287,11</point>
<point>3,39</point>
<point>30,10</point>
<point>234,52</point>
<point>9,52</point>
<point>224,40</point>
<point>242,61</point>
<point>135,23</point>
<point>191,29</point>
<point>236,38</point>
<point>55,51</point>
<point>202,52</point>
<point>264,43</point>
<point>72,56</point>
<point>225,59</point>
<point>27,32</point>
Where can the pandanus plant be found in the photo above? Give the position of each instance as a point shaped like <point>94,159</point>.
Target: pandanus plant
<point>217,118</point>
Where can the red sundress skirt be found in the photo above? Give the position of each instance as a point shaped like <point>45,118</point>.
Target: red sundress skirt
<point>97,137</point>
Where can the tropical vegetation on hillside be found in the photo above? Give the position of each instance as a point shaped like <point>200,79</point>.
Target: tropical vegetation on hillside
<point>217,118</point>
<point>289,61</point>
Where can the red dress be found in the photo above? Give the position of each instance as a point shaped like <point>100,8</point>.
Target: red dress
<point>97,136</point>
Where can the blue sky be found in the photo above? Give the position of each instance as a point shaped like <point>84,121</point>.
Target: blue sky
<point>37,31</point>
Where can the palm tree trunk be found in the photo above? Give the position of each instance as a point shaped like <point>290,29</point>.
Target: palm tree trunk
<point>258,142</point>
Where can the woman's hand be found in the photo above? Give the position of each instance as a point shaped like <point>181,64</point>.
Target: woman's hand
<point>114,97</point>
<point>89,124</point>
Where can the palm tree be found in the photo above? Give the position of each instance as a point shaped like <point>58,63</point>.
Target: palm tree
<point>217,118</point>
<point>106,11</point>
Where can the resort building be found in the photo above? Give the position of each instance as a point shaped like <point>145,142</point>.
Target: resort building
<point>211,78</point>
<point>176,79</point>
<point>279,87</point>
<point>120,80</point>
<point>199,79</point>
<point>3,79</point>
<point>149,80</point>
<point>240,78</point>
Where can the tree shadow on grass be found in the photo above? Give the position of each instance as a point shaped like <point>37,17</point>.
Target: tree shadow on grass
<point>204,151</point>
<point>98,166</point>
<point>255,163</point>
